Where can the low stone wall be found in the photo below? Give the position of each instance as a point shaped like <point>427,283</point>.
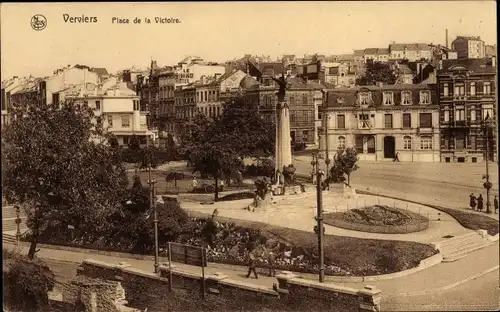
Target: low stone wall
<point>221,293</point>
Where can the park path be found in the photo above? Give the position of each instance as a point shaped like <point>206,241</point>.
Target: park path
<point>433,278</point>
<point>298,212</point>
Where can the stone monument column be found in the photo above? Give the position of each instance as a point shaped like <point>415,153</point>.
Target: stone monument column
<point>283,139</point>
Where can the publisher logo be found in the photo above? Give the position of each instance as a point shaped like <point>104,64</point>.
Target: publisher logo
<point>38,22</point>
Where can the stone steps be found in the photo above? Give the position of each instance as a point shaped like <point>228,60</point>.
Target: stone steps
<point>8,238</point>
<point>9,217</point>
<point>461,246</point>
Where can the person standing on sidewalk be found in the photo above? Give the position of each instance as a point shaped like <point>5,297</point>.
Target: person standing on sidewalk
<point>396,157</point>
<point>195,184</point>
<point>272,260</point>
<point>251,266</point>
<point>495,204</point>
<point>472,201</point>
<point>480,202</point>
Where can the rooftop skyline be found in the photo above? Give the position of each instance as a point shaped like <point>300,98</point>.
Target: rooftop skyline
<point>223,31</point>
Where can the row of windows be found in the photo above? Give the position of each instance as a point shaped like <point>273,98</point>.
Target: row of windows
<point>365,98</point>
<point>208,111</point>
<point>292,100</point>
<point>425,143</point>
<point>459,89</point>
<point>475,114</point>
<point>201,96</point>
<point>425,120</point>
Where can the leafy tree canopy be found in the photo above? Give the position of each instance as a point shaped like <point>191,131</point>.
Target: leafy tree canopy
<point>377,72</point>
<point>59,167</point>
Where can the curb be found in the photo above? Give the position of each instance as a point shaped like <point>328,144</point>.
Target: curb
<point>447,286</point>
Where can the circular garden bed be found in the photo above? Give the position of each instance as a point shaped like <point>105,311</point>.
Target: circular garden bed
<point>378,219</point>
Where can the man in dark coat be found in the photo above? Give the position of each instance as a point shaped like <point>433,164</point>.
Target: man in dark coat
<point>472,201</point>
<point>480,202</point>
<point>251,266</point>
<point>495,204</point>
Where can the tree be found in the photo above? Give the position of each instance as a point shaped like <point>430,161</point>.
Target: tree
<point>345,162</point>
<point>65,173</point>
<point>171,147</point>
<point>377,72</point>
<point>133,143</point>
<point>194,133</point>
<point>26,282</point>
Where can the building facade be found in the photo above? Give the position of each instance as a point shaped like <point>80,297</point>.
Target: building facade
<point>382,121</point>
<point>467,96</point>
<point>304,99</point>
<point>469,47</point>
<point>410,51</point>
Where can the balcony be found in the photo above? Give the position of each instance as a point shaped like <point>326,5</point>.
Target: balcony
<point>461,124</point>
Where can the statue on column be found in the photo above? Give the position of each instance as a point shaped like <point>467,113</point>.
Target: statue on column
<point>283,85</point>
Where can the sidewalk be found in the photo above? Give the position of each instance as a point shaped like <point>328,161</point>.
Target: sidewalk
<point>433,278</point>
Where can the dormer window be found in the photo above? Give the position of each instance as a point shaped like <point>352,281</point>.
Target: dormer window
<point>365,98</point>
<point>388,98</point>
<point>425,97</point>
<point>406,98</point>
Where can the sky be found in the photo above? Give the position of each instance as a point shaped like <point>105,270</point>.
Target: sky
<point>220,31</point>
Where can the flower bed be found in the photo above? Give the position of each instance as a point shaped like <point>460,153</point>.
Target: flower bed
<point>230,241</point>
<point>237,196</point>
<point>378,219</point>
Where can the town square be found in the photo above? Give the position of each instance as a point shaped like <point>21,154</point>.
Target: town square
<point>243,166</point>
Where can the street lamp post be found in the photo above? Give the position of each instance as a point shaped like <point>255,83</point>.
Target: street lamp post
<point>487,185</point>
<point>327,151</point>
<point>18,224</point>
<point>152,205</point>
<point>319,218</point>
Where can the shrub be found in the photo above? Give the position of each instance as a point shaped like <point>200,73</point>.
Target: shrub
<point>171,219</point>
<point>26,282</point>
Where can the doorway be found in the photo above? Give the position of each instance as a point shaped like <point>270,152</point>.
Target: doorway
<point>389,147</point>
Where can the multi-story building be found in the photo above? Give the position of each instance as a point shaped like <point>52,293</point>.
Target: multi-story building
<point>382,121</point>
<point>410,51</point>
<point>376,54</point>
<point>467,93</point>
<point>337,74</point>
<point>490,50</point>
<point>118,109</point>
<point>304,99</point>
<point>469,47</point>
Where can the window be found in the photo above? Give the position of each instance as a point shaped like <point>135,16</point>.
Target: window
<point>425,97</point>
<point>446,90</point>
<point>407,142</point>
<point>426,143</point>
<point>341,142</point>
<point>388,120</point>
<point>388,98</point>
<point>110,120</point>
<point>98,105</point>
<point>487,112</point>
<point>341,121</point>
<point>472,88</point>
<point>304,99</point>
<point>364,98</point>
<point>406,120</point>
<point>459,89</point>
<point>218,111</point>
<point>292,100</point>
<point>487,88</point>
<point>125,121</point>
<point>446,116</point>
<point>425,120</point>
<point>459,114</point>
<point>359,144</point>
<point>305,135</point>
<point>406,98</point>
<point>473,115</point>
<point>370,144</point>
<point>365,120</point>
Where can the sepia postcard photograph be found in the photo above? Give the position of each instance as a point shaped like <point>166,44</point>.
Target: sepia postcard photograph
<point>246,156</point>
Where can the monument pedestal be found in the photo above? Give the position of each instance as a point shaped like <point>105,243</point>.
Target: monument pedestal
<point>342,190</point>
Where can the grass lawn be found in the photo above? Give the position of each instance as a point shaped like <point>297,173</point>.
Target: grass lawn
<point>348,220</point>
<point>468,220</point>
<point>183,186</point>
<point>360,257</point>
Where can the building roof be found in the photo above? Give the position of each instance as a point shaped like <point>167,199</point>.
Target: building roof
<point>383,51</point>
<point>404,69</point>
<point>371,51</point>
<point>347,97</point>
<point>248,82</point>
<point>359,52</point>
<point>409,46</point>
<point>100,71</point>
<point>473,65</point>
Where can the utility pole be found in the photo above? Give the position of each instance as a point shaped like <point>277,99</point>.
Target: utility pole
<point>487,184</point>
<point>152,205</point>
<point>319,219</point>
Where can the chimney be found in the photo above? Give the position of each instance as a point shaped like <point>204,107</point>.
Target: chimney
<point>447,38</point>
<point>440,64</point>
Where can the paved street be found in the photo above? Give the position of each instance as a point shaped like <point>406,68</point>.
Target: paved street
<point>446,184</point>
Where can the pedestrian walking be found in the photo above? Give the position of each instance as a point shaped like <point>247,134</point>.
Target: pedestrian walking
<point>194,184</point>
<point>221,185</point>
<point>272,260</point>
<point>480,202</point>
<point>495,204</point>
<point>472,201</point>
<point>251,266</point>
<point>396,157</point>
